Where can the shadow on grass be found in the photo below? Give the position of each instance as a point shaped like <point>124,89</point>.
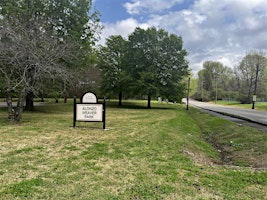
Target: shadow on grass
<point>138,105</point>
<point>62,108</point>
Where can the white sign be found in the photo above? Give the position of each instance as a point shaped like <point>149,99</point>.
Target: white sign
<point>89,98</point>
<point>254,98</point>
<point>89,112</point>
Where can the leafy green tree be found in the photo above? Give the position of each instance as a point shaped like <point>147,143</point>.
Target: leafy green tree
<point>215,81</point>
<point>200,92</point>
<point>73,19</point>
<point>156,63</point>
<point>113,66</point>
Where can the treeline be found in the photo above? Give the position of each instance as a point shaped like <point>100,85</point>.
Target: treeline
<point>218,82</point>
<point>48,49</point>
<point>149,63</point>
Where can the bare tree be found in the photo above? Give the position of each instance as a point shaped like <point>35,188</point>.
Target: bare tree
<point>251,73</point>
<point>29,54</point>
<point>86,80</point>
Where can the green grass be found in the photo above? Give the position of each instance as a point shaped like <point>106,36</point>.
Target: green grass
<point>161,153</point>
<point>258,105</point>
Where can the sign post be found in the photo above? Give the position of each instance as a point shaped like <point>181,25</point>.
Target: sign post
<point>89,110</point>
<point>254,99</point>
<point>74,111</point>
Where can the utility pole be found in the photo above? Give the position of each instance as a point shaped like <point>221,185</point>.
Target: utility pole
<point>216,89</point>
<point>188,90</point>
<point>256,80</point>
<point>202,89</point>
<point>216,85</point>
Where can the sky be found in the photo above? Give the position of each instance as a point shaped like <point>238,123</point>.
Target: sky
<point>212,30</point>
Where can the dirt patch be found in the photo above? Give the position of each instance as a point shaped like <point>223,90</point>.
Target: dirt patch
<point>229,156</point>
<point>198,158</point>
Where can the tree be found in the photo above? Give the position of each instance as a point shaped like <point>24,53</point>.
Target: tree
<point>27,59</point>
<point>87,79</point>
<point>114,66</point>
<point>200,92</point>
<point>156,63</point>
<point>66,20</point>
<point>251,75</point>
<point>215,81</point>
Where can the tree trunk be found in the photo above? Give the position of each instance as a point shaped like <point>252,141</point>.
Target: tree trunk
<point>14,114</point>
<point>65,99</point>
<point>29,101</point>
<point>19,109</point>
<point>11,115</point>
<point>149,101</point>
<point>120,98</point>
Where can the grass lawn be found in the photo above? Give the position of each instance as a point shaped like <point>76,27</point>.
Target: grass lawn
<point>258,105</point>
<point>161,153</point>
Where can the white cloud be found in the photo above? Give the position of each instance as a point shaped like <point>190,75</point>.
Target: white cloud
<point>191,19</point>
<point>211,30</point>
<point>139,6</point>
<point>214,29</point>
<point>123,28</point>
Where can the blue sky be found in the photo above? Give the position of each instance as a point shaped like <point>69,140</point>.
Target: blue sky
<point>218,30</point>
<point>111,10</point>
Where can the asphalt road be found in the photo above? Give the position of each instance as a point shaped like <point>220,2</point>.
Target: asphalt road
<point>255,116</point>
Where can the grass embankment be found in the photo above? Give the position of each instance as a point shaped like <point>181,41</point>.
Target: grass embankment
<point>257,106</point>
<point>158,153</point>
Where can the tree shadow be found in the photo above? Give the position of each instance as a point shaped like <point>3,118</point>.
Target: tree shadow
<point>137,105</point>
